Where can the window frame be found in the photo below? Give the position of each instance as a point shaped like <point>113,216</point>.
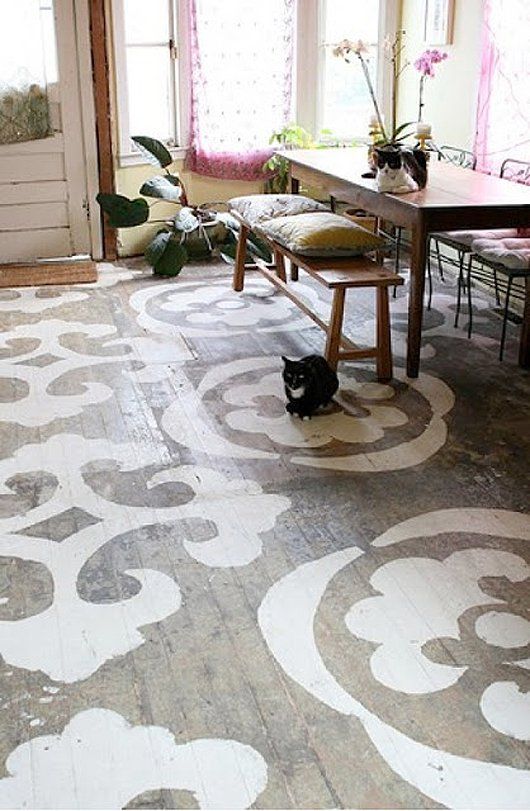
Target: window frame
<point>177,143</point>
<point>309,63</point>
<point>307,75</point>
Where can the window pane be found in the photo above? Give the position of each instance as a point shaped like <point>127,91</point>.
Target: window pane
<point>351,19</point>
<point>148,79</point>
<point>346,106</point>
<point>27,48</point>
<point>146,21</point>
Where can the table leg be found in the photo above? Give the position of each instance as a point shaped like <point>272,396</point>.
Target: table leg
<point>524,345</point>
<point>418,260</point>
<point>241,255</point>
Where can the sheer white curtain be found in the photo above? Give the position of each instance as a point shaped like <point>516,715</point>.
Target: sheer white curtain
<point>241,79</point>
<point>503,116</point>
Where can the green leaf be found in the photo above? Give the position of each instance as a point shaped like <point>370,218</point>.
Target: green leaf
<point>154,151</point>
<point>164,187</point>
<point>186,221</point>
<point>229,221</point>
<point>197,248</point>
<point>401,128</point>
<point>122,212</point>
<point>154,251</point>
<point>227,251</point>
<point>172,259</point>
<point>402,138</point>
<point>258,247</point>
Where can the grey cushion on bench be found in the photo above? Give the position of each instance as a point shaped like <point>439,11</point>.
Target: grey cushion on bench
<point>256,208</point>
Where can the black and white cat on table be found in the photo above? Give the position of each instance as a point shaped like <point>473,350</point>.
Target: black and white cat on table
<point>399,170</point>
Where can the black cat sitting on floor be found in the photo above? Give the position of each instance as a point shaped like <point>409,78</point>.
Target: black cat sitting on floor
<point>309,384</point>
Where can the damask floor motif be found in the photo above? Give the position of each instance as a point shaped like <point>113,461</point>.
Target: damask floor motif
<point>205,603</point>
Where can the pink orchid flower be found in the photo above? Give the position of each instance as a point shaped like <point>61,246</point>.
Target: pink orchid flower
<point>428,59</point>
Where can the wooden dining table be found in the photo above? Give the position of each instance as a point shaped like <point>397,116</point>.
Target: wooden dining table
<point>454,199</point>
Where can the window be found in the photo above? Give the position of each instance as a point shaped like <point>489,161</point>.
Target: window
<point>329,94</point>
<point>345,106</point>
<point>27,70</point>
<point>146,70</point>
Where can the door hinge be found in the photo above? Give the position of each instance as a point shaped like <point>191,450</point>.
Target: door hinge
<point>172,49</point>
<point>86,206</point>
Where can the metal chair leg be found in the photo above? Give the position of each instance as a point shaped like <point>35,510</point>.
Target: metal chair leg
<point>505,317</point>
<point>469,301</point>
<point>459,286</point>
<point>496,283</point>
<point>440,264</point>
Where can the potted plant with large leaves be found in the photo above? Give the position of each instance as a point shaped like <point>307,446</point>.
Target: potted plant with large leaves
<point>194,232</point>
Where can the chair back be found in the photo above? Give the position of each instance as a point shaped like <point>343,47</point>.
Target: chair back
<point>515,170</point>
<point>457,156</point>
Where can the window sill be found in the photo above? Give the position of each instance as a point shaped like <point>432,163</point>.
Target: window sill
<point>136,159</point>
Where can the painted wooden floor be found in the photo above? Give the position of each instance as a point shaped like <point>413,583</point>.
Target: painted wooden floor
<point>207,603</point>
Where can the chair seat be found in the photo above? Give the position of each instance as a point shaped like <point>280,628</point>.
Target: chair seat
<point>465,239</point>
<point>257,208</point>
<point>509,254</point>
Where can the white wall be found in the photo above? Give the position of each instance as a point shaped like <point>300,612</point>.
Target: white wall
<point>450,98</point>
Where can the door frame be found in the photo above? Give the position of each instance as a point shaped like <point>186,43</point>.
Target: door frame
<point>72,21</point>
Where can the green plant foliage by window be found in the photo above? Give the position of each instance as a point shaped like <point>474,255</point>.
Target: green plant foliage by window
<point>293,137</point>
<point>193,233</point>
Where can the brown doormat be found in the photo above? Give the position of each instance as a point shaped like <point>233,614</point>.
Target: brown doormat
<point>49,271</point>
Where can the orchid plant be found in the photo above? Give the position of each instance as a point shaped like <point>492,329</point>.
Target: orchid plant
<point>425,65</point>
<point>348,50</point>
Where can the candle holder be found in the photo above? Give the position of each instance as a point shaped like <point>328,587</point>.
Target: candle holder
<point>375,135</point>
<point>424,137</point>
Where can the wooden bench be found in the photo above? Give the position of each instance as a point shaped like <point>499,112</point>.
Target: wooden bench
<point>338,275</point>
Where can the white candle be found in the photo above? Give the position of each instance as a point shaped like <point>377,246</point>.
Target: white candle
<point>423,129</point>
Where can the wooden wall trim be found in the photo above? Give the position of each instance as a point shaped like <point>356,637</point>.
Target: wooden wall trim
<point>99,39</point>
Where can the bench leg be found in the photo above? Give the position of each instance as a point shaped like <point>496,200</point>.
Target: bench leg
<point>335,327</point>
<point>241,254</point>
<point>384,347</point>
<point>279,261</point>
<point>294,272</point>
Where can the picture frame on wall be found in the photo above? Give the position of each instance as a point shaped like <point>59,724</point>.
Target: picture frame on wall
<point>439,19</point>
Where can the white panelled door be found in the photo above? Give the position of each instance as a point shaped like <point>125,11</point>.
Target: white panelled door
<point>43,182</point>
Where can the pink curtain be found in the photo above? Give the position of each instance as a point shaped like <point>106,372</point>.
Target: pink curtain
<point>503,113</point>
<point>241,79</point>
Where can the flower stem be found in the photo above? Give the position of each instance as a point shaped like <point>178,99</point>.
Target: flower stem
<point>421,103</point>
<point>372,95</point>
